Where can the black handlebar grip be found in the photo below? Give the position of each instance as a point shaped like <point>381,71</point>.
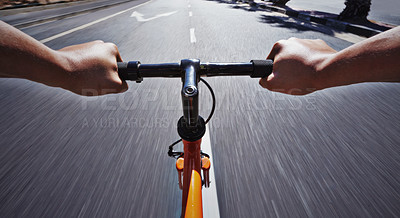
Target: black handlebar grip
<point>129,70</point>
<point>261,68</point>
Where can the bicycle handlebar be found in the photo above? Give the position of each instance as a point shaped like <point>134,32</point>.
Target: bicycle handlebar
<point>136,71</point>
<point>192,126</point>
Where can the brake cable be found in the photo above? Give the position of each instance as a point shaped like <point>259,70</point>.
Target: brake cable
<point>176,154</point>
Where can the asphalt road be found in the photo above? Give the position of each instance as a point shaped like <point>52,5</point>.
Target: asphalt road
<point>334,153</point>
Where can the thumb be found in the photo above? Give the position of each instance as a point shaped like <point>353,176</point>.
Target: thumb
<point>266,82</point>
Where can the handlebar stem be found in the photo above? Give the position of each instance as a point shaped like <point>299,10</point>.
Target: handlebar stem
<point>190,91</point>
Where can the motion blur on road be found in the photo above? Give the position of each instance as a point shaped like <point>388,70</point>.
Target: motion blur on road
<point>333,153</point>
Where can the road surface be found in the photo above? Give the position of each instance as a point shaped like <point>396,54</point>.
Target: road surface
<point>334,153</point>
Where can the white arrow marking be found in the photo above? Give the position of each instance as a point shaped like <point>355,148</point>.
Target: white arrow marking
<point>139,16</point>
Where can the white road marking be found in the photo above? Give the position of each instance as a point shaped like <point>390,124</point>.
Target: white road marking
<point>89,24</point>
<point>190,14</point>
<point>192,36</point>
<point>210,198</point>
<point>189,6</point>
<point>139,16</point>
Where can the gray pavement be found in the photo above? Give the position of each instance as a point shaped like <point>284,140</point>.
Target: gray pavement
<point>333,153</point>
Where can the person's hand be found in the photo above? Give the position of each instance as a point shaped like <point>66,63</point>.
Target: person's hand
<point>92,69</point>
<point>297,63</point>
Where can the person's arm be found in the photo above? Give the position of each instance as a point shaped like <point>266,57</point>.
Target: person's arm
<point>302,66</point>
<point>86,69</point>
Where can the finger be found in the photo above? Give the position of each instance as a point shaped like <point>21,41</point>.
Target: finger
<point>124,86</point>
<point>118,56</point>
<point>114,51</point>
<point>266,82</point>
<point>270,77</point>
<point>275,50</point>
<point>263,82</point>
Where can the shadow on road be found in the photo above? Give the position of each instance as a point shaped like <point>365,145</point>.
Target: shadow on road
<point>237,6</point>
<point>295,24</point>
<point>279,21</point>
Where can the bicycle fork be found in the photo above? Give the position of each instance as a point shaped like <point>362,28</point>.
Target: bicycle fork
<point>205,167</point>
<point>189,169</point>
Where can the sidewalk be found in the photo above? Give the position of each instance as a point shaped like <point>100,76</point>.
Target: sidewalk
<point>385,11</point>
<point>366,28</point>
<point>23,7</point>
<point>18,4</point>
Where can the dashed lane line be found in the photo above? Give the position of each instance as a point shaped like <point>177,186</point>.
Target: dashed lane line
<point>192,36</point>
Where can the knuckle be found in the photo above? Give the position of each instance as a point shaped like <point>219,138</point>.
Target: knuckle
<point>278,45</point>
<point>282,43</point>
<point>112,45</point>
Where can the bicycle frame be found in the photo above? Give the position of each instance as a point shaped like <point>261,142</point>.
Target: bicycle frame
<point>192,205</point>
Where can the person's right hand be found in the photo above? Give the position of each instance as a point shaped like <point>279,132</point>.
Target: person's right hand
<point>92,69</point>
<point>297,64</point>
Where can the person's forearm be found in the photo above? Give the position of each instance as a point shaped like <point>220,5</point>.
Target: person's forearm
<point>21,56</point>
<point>86,69</point>
<point>376,59</point>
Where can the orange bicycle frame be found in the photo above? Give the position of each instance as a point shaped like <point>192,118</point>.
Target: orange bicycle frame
<point>192,183</point>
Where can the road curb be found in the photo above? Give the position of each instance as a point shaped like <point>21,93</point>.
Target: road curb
<point>334,23</point>
<point>22,6</point>
<point>65,15</point>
